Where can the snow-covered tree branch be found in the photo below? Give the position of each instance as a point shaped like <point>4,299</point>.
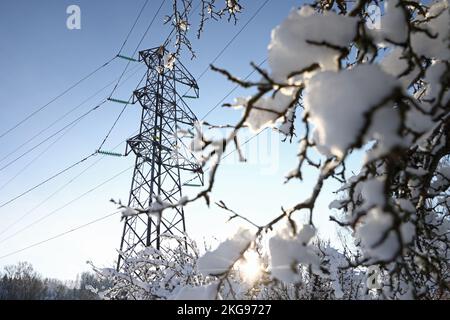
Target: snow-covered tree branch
<point>342,80</point>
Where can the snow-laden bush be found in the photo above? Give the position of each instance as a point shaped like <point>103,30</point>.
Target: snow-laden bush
<point>183,273</point>
<point>348,83</point>
<point>340,82</point>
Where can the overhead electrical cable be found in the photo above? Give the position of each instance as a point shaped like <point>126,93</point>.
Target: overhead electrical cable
<point>134,70</point>
<point>52,135</point>
<point>61,234</point>
<point>102,143</point>
<point>133,26</point>
<point>221,52</point>
<point>137,47</point>
<point>55,98</point>
<point>78,175</point>
<point>18,173</point>
<point>77,83</point>
<point>66,204</point>
<point>63,170</point>
<point>232,39</point>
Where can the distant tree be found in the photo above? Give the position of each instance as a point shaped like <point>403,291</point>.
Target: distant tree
<point>21,282</point>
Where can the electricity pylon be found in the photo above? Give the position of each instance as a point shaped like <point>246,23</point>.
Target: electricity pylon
<point>162,157</point>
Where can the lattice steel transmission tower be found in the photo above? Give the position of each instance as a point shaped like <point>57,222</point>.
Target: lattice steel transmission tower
<point>162,157</point>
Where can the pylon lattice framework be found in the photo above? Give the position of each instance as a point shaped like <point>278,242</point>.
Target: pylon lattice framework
<point>162,158</point>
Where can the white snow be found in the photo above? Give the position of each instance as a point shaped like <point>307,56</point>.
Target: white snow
<point>337,102</point>
<point>372,191</point>
<point>396,64</point>
<point>438,25</point>
<point>227,253</point>
<point>267,109</point>
<point>442,179</point>
<point>336,204</point>
<point>371,230</point>
<point>289,50</point>
<point>107,272</point>
<point>418,121</point>
<point>128,212</point>
<point>288,123</point>
<point>384,131</point>
<point>206,292</point>
<point>336,260</point>
<point>393,26</point>
<point>406,205</point>
<point>169,61</point>
<point>433,79</point>
<point>306,233</point>
<point>408,231</point>
<point>288,251</point>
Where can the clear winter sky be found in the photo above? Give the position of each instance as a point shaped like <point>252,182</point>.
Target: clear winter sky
<point>40,58</point>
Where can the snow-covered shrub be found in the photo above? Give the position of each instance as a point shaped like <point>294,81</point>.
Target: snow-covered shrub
<point>383,91</point>
<point>345,86</point>
<point>228,273</point>
<point>155,274</point>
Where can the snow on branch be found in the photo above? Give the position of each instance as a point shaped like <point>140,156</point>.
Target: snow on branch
<point>349,83</point>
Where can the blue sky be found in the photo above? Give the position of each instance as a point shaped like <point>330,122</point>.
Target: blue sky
<point>40,58</point>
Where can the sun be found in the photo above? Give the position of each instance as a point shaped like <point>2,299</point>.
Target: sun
<point>250,267</point>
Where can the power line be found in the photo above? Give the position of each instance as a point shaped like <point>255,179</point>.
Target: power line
<point>55,98</point>
<point>60,234</point>
<point>89,156</point>
<point>98,186</point>
<point>64,170</point>
<point>232,90</point>
<point>244,143</point>
<point>151,23</point>
<point>96,220</point>
<point>91,222</point>
<point>66,204</point>
<point>59,173</point>
<point>58,190</point>
<point>77,83</point>
<point>37,157</point>
<point>135,69</point>
<point>148,28</point>
<point>226,47</point>
<point>67,168</point>
<point>118,117</point>
<point>115,122</point>
<point>234,37</point>
<point>93,189</point>
<point>132,28</point>
<point>109,132</point>
<point>137,47</point>
<point>54,134</point>
<point>126,67</point>
<point>47,180</point>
